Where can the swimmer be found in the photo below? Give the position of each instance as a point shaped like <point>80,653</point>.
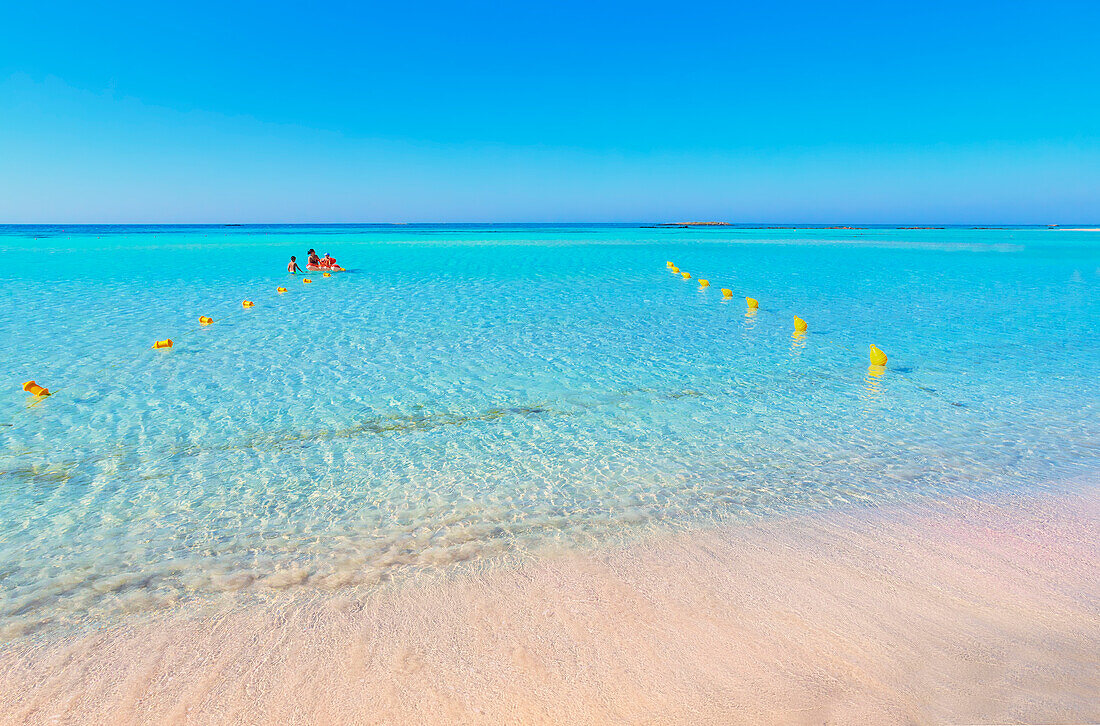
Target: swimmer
<point>293,266</point>
<point>329,262</point>
<point>313,260</point>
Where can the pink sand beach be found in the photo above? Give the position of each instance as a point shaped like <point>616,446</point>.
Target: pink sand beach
<point>964,612</point>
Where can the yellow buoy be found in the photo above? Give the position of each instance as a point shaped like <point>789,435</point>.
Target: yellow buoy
<point>674,268</point>
<point>248,304</point>
<point>205,320</point>
<point>878,358</point>
<point>726,292</point>
<point>326,274</point>
<point>280,289</point>
<point>704,283</point>
<point>32,387</point>
<point>753,303</point>
<point>669,264</point>
<point>686,275</point>
<point>306,280</point>
<point>163,343</point>
<point>800,324</point>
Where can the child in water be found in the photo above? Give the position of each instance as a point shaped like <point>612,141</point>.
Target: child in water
<point>328,262</point>
<point>293,266</point>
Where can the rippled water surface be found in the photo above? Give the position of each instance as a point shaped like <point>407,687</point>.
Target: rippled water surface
<point>462,392</point>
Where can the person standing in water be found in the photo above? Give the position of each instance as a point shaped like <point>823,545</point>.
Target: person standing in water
<point>293,266</point>
<point>313,260</point>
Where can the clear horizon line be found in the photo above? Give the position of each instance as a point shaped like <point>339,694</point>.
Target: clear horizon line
<point>701,223</point>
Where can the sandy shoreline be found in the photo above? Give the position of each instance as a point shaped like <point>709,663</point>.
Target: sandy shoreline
<point>976,612</point>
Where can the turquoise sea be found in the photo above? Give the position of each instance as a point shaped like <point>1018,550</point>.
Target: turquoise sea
<point>466,392</point>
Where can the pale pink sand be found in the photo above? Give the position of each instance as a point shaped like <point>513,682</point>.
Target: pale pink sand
<point>974,613</point>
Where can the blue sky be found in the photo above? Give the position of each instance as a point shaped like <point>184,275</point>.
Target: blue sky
<point>420,111</point>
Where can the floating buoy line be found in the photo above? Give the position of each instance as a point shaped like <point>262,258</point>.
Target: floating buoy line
<point>878,358</point>
<point>41,392</point>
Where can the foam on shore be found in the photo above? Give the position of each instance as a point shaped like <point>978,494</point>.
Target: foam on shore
<point>972,611</point>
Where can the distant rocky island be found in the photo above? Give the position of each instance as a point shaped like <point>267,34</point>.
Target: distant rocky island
<point>694,224</point>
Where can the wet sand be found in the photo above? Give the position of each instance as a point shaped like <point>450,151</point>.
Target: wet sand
<point>965,612</point>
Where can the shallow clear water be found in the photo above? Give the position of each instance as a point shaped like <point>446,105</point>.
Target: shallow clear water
<point>467,391</point>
